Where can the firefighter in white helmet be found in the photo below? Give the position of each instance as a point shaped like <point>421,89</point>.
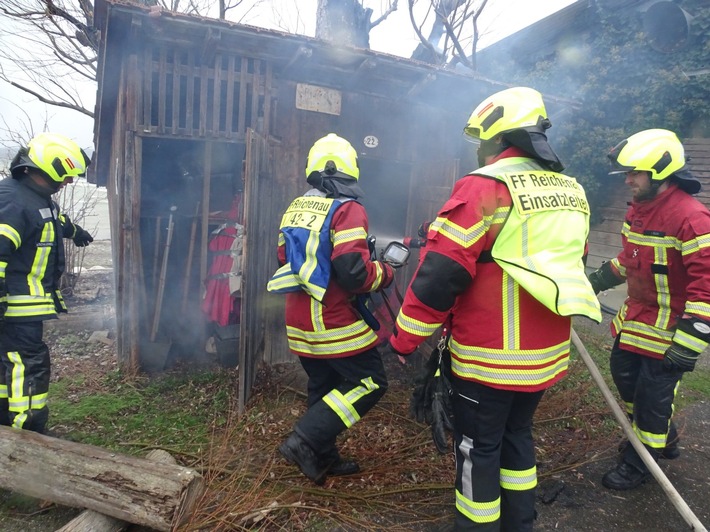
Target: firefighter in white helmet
<point>325,261</point>
<point>664,324</point>
<point>31,264</point>
<point>503,268</point>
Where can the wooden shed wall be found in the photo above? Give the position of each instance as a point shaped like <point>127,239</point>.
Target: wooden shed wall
<point>419,139</point>
<point>605,237</point>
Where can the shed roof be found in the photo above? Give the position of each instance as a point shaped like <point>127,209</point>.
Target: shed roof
<point>306,59</point>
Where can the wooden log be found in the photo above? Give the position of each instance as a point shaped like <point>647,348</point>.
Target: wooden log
<point>91,521</point>
<point>135,490</point>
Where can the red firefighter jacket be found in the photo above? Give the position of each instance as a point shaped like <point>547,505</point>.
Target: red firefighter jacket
<point>500,335</point>
<point>666,262</point>
<point>333,328</point>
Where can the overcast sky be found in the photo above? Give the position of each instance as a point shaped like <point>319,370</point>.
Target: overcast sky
<point>393,36</point>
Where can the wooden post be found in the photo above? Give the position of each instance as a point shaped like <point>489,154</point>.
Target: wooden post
<point>135,490</point>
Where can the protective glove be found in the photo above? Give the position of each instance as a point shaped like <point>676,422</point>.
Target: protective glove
<point>603,278</point>
<point>82,237</point>
<point>691,337</point>
<point>3,299</point>
<point>441,412</point>
<point>679,358</point>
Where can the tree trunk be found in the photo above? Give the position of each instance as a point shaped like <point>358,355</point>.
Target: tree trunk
<point>91,521</point>
<point>343,22</point>
<point>135,490</point>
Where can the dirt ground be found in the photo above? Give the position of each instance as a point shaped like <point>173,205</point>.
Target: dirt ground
<point>573,500</point>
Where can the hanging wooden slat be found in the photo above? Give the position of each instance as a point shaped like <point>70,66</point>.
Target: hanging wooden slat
<point>254,81</point>
<point>241,116</point>
<point>177,72</point>
<point>162,84</point>
<point>147,87</point>
<point>204,76</point>
<point>190,99</point>
<point>229,107</point>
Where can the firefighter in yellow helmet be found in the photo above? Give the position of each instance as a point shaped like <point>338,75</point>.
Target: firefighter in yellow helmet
<point>31,264</point>
<point>503,270</point>
<point>325,262</point>
<point>664,324</point>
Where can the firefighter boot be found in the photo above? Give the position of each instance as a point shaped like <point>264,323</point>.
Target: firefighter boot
<point>625,477</point>
<point>296,451</point>
<point>338,466</point>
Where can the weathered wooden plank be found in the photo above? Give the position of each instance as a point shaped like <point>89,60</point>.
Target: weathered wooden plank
<point>604,250</point>
<point>131,489</point>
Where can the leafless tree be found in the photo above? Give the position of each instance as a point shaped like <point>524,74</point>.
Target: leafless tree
<point>51,45</point>
<point>454,33</point>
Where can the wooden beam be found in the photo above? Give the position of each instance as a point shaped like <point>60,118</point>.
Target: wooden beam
<point>145,492</point>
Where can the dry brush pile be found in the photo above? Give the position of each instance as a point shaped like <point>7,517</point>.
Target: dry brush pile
<point>405,485</point>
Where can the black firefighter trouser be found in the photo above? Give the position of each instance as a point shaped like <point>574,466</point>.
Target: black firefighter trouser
<point>648,391</point>
<point>496,473</point>
<point>340,392</point>
<point>24,376</point>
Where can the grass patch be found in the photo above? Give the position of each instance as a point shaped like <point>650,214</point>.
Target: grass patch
<point>176,411</point>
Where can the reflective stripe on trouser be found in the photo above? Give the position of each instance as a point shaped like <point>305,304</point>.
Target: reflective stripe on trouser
<point>25,375</point>
<point>340,392</point>
<point>650,388</point>
<point>495,457</point>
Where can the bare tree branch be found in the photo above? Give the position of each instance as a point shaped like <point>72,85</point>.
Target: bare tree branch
<point>51,102</point>
<point>391,9</point>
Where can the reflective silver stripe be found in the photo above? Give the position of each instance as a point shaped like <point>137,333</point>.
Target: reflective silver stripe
<point>689,341</point>
<point>348,235</point>
<point>656,441</point>
<point>11,234</point>
<point>648,330</point>
<point>643,343</point>
<point>333,348</point>
<point>325,335</point>
<point>509,376</point>
<point>517,357</point>
<point>654,241</point>
<point>663,291</point>
<point>416,327</point>
<point>344,410</point>
<point>465,447</point>
<point>463,236</point>
<point>478,512</point>
<point>698,308</point>
<point>518,480</point>
<point>696,244</point>
<point>39,266</point>
<point>511,299</point>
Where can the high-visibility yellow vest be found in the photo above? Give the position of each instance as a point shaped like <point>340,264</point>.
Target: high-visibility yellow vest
<point>542,242</point>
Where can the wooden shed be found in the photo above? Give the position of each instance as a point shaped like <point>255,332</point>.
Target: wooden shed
<point>215,119</point>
